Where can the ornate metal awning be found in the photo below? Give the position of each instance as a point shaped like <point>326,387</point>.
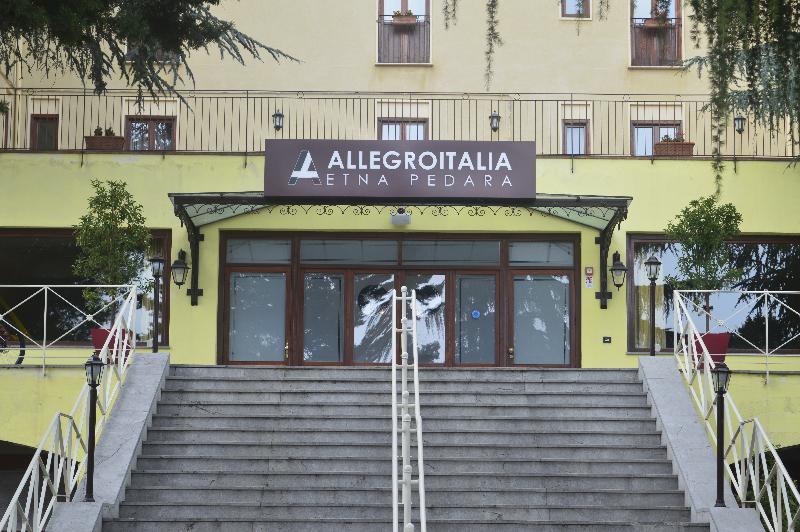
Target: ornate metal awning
<point>603,213</point>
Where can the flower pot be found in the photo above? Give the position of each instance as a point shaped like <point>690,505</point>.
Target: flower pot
<point>673,149</point>
<point>717,345</point>
<point>404,20</point>
<point>104,143</point>
<point>99,337</point>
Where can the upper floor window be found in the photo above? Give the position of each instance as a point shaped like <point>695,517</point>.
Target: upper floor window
<point>645,134</point>
<point>576,8</point>
<point>404,31</point>
<point>576,137</point>
<point>656,36</point>
<point>44,132</point>
<point>403,129</point>
<point>150,133</point>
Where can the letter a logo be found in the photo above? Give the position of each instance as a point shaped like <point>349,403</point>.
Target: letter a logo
<point>304,169</point>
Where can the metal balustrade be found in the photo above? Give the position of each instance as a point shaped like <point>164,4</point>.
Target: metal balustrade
<point>405,39</point>
<point>656,41</point>
<point>59,464</point>
<point>757,474</point>
<point>240,121</point>
<point>402,412</point>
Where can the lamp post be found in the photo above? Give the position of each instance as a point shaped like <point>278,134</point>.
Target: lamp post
<point>653,266</point>
<point>94,372</point>
<point>494,121</point>
<point>721,376</point>
<point>157,265</point>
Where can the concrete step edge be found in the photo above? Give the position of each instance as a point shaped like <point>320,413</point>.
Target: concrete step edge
<point>466,445</point>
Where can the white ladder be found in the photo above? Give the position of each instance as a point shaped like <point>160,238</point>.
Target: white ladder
<point>401,412</point>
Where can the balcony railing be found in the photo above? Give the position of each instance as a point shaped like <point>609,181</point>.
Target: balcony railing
<point>404,39</point>
<point>655,41</point>
<point>240,121</point>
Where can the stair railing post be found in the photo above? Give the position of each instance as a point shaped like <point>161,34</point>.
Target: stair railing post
<point>407,525</point>
<point>395,501</point>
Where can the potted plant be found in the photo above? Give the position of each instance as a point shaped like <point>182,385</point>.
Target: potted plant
<point>700,237</point>
<point>109,142</point>
<point>673,147</point>
<point>404,18</point>
<point>113,239</point>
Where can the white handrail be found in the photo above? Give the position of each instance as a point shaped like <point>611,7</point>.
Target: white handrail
<point>758,475</point>
<point>406,483</point>
<point>58,464</point>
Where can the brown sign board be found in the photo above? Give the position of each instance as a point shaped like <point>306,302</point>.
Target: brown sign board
<point>382,169</point>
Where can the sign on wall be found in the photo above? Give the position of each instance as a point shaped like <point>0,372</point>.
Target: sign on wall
<point>400,169</point>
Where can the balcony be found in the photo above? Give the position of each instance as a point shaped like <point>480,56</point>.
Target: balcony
<point>656,42</point>
<point>239,121</point>
<point>404,39</point>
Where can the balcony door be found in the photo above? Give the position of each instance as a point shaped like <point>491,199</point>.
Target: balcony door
<point>656,36</point>
<point>404,31</point>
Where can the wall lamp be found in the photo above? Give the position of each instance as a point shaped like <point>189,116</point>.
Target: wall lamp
<point>401,217</point>
<point>494,121</point>
<point>618,271</point>
<point>277,120</point>
<point>180,269</point>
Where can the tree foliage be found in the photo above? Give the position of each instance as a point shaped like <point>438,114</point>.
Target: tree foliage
<point>702,231</point>
<point>112,237</point>
<point>147,43</point>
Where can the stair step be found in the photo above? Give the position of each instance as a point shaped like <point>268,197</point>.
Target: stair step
<point>431,436</point>
<point>233,449</point>
<point>201,478</point>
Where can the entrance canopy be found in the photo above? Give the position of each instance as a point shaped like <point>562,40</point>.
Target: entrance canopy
<point>603,213</point>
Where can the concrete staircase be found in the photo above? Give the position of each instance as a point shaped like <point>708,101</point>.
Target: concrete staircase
<point>308,449</point>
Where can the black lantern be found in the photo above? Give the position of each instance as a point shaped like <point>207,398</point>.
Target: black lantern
<point>494,120</point>
<point>179,269</point>
<point>157,265</point>
<point>653,266</point>
<point>738,124</point>
<point>618,271</point>
<point>277,120</point>
<point>721,376</point>
<point>94,372</point>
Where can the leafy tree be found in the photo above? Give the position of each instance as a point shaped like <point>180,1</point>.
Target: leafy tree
<point>147,43</point>
<point>699,236</point>
<point>113,238</point>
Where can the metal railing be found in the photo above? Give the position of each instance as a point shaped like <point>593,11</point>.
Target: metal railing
<point>757,474</point>
<point>404,39</point>
<point>403,415</point>
<point>46,323</point>
<point>58,465</point>
<point>656,41</point>
<point>240,121</point>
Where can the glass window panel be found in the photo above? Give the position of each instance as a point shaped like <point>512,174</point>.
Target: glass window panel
<point>463,252</point>
<point>259,250</point>
<point>418,7</point>
<point>348,252</point>
<point>390,131</point>
<point>541,254</point>
<point>572,7</point>
<point>475,319</point>
<point>415,131</point>
<point>140,136</point>
<point>643,141</point>
<point>390,6</point>
<point>541,319</point>
<point>576,140</point>
<point>323,317</point>
<point>430,316</point>
<point>667,131</point>
<point>46,133</point>
<point>642,8</point>
<point>372,317</point>
<point>162,135</point>
<point>257,316</point>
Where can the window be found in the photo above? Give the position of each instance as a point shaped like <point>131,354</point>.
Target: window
<point>44,132</point>
<point>656,37</point>
<point>45,257</point>
<point>311,298</point>
<point>404,38</point>
<point>403,129</point>
<point>645,134</point>
<point>150,133</point>
<point>576,8</point>
<point>766,263</point>
<point>576,140</point>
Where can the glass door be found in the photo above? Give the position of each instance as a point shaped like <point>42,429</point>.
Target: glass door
<point>475,319</point>
<point>257,325</point>
<point>372,318</point>
<point>431,315</point>
<point>323,333</point>
<point>541,310</point>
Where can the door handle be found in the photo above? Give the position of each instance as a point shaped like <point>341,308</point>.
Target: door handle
<point>511,353</point>
<point>286,351</point>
